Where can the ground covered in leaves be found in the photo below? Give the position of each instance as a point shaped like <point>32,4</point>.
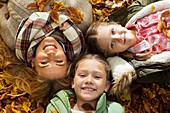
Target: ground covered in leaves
<point>142,98</point>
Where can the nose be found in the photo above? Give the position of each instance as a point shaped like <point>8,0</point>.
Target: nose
<point>51,52</point>
<point>89,79</point>
<point>116,36</point>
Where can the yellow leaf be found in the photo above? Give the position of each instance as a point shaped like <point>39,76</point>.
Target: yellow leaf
<point>152,8</point>
<point>59,6</point>
<point>95,2</point>
<point>125,96</point>
<point>168,33</point>
<point>98,12</point>
<point>26,106</point>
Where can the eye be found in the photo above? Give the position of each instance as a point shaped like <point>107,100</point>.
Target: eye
<point>97,76</point>
<point>112,44</point>
<point>113,31</point>
<point>44,62</point>
<point>82,75</point>
<point>59,61</point>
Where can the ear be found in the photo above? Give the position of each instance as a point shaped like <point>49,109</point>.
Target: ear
<point>72,84</point>
<point>33,63</point>
<point>107,86</point>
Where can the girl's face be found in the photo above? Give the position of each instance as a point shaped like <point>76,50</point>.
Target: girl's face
<point>90,81</point>
<point>114,38</point>
<point>50,60</point>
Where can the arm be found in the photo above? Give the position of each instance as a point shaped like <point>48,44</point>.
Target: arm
<point>124,14</point>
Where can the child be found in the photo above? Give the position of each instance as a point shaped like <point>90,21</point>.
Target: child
<point>90,85</point>
<point>145,34</point>
<point>139,40</point>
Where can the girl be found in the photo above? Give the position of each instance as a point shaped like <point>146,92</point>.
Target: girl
<point>139,40</point>
<point>145,35</point>
<point>90,82</point>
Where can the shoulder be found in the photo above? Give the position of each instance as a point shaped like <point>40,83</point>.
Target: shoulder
<point>114,106</point>
<point>60,102</point>
<point>151,8</point>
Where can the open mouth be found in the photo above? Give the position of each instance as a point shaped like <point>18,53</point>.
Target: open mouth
<point>49,46</point>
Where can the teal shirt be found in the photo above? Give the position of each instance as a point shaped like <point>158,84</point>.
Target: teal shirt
<point>60,103</point>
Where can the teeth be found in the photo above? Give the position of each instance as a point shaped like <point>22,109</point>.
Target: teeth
<point>89,89</point>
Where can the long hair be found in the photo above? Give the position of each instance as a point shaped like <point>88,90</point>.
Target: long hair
<point>26,78</point>
<point>91,38</point>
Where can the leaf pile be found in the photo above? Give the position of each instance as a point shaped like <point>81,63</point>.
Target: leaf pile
<point>12,100</point>
<point>147,98</point>
<point>103,8</point>
<point>143,98</point>
<point>74,13</point>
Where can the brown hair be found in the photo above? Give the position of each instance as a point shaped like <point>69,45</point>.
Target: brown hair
<point>91,38</point>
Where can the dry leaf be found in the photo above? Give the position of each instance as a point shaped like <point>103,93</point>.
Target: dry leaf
<point>161,25</point>
<point>168,33</point>
<point>39,4</point>
<point>54,15</point>
<point>95,2</point>
<point>32,6</point>
<point>58,6</point>
<point>75,15</point>
<point>152,8</point>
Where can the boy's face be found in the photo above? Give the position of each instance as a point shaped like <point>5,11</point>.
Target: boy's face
<point>114,38</point>
<point>90,81</point>
<point>50,61</point>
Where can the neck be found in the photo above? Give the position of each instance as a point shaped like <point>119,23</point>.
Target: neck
<point>133,31</point>
<point>84,106</point>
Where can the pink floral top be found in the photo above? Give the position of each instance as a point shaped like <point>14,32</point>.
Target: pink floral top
<point>148,35</point>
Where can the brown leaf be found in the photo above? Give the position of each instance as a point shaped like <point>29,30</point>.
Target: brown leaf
<point>58,6</point>
<point>161,25</point>
<point>54,15</point>
<point>146,106</point>
<point>75,15</point>
<point>165,14</point>
<point>32,6</point>
<point>38,110</point>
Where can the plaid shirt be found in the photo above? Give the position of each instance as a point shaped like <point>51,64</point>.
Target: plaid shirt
<point>148,35</point>
<point>38,26</point>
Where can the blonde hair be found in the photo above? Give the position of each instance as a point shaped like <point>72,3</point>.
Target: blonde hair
<point>26,78</point>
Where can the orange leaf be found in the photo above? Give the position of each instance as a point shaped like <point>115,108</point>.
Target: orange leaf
<point>32,6</point>
<point>75,15</point>
<point>59,6</point>
<point>54,15</point>
<point>161,24</point>
<point>165,14</point>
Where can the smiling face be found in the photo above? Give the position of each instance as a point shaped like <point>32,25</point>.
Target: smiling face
<point>90,81</point>
<point>50,61</point>
<point>114,38</point>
